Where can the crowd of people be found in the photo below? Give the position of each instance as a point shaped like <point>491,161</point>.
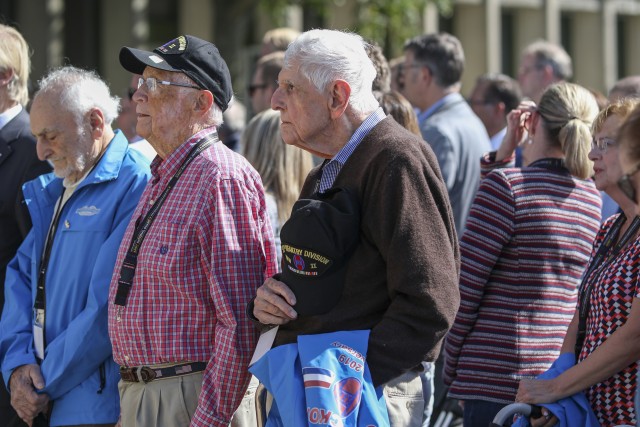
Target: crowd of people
<point>357,244</point>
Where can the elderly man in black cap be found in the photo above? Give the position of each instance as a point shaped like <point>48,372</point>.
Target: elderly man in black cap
<point>198,246</point>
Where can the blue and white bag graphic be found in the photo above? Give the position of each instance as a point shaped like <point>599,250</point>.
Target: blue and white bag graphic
<point>323,379</point>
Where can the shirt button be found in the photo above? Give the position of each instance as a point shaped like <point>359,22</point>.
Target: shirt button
<point>126,358</point>
<point>67,224</point>
<point>151,202</point>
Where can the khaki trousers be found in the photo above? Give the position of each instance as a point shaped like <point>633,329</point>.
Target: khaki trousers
<point>173,401</point>
<point>405,402</point>
<point>247,413</point>
<point>164,402</point>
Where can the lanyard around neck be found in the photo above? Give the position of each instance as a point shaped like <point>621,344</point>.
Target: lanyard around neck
<point>40,302</point>
<point>128,270</point>
<point>607,251</point>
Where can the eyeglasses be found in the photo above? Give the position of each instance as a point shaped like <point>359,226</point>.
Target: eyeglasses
<point>130,93</point>
<point>152,83</point>
<point>602,144</point>
<point>253,88</point>
<point>625,184</point>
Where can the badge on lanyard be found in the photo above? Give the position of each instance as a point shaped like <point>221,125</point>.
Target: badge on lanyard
<point>38,333</point>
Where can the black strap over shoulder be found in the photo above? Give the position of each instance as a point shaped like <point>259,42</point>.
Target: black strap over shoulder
<point>128,269</point>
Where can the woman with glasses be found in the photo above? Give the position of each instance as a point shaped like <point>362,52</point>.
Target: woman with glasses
<point>526,243</point>
<point>629,183</point>
<point>605,331</point>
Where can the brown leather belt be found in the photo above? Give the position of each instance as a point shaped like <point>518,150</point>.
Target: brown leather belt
<point>146,374</point>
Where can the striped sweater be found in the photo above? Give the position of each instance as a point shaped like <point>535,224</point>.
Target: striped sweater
<point>527,241</point>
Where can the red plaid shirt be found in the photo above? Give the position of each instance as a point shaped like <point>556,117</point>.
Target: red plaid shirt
<point>203,258</point>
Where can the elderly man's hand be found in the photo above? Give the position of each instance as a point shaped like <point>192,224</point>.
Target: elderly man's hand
<point>273,303</point>
<point>23,384</point>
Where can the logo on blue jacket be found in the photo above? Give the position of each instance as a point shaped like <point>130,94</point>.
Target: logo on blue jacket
<point>347,393</point>
<point>87,211</point>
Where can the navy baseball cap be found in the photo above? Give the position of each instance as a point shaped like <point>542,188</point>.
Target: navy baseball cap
<point>317,242</point>
<point>197,58</point>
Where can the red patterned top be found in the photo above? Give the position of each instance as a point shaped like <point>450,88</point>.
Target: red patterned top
<point>614,288</point>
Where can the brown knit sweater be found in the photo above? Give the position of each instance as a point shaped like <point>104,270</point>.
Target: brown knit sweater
<point>402,280</point>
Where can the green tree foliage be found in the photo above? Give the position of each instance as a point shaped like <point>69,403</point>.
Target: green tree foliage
<point>390,22</point>
<point>387,22</point>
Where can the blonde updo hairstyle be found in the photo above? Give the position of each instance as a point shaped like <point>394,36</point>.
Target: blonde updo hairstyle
<point>567,111</point>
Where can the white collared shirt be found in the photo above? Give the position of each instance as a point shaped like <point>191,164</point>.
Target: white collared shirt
<point>496,139</point>
<point>9,115</point>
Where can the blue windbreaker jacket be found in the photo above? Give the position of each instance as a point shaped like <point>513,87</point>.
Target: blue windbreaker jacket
<point>84,251</point>
<point>571,411</point>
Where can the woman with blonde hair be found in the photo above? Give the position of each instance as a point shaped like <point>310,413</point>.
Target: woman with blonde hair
<point>524,248</point>
<point>605,327</point>
<point>283,168</point>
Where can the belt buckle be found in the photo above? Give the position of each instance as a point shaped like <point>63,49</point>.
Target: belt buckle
<point>146,374</point>
<point>128,375</point>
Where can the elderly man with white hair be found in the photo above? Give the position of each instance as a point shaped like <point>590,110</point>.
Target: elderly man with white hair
<point>193,256</point>
<point>54,345</point>
<point>399,278</point>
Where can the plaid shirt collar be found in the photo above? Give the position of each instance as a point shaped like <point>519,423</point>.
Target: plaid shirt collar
<point>161,168</point>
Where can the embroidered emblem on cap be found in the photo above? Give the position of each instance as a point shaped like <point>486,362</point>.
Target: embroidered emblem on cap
<point>304,262</point>
<point>175,46</point>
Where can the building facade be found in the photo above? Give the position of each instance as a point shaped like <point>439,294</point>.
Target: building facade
<point>600,35</point>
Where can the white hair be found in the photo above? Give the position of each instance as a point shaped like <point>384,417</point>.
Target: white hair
<point>79,91</point>
<point>214,116</point>
<point>323,56</point>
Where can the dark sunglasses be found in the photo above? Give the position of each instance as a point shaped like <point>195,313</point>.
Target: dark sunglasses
<point>625,184</point>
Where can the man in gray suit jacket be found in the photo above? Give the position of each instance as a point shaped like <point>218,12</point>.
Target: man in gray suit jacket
<point>433,68</point>
<point>18,164</point>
